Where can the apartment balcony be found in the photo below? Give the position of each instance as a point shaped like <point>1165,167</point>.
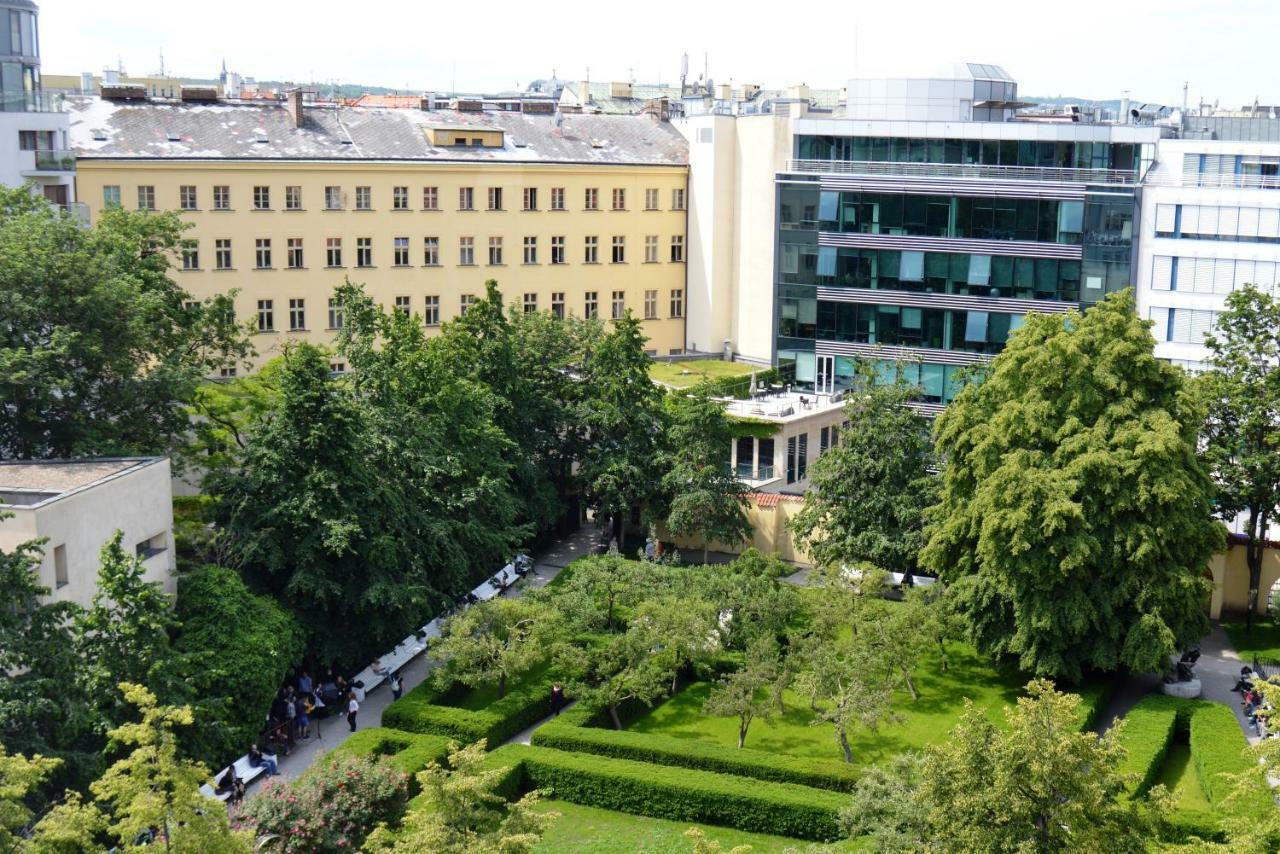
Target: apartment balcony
<point>47,163</point>
<point>962,171</point>
<point>32,102</point>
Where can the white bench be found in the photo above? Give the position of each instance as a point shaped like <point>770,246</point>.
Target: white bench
<point>246,772</point>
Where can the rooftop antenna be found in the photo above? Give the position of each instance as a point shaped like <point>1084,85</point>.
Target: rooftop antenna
<point>1185,84</point>
<point>684,71</point>
<point>162,62</point>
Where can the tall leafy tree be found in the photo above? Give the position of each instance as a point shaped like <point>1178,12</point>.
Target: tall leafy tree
<point>1075,518</point>
<point>124,636</point>
<point>623,418</point>
<point>316,523</point>
<point>522,358</point>
<point>870,492</point>
<point>494,643</point>
<point>445,463</point>
<point>100,350</point>
<point>42,709</point>
<point>1242,427</point>
<point>19,776</point>
<point>706,499</point>
<point>744,693</point>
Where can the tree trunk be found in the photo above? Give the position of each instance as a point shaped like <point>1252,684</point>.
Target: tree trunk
<point>613,713</point>
<point>743,723</point>
<point>502,686</point>
<point>942,649</point>
<point>706,543</point>
<point>843,738</point>
<point>911,686</point>
<point>1253,556</point>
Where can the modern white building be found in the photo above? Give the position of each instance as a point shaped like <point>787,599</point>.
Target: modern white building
<point>33,128</point>
<point>76,506</point>
<point>1210,224</point>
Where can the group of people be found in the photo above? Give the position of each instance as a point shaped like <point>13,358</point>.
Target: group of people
<point>1252,702</point>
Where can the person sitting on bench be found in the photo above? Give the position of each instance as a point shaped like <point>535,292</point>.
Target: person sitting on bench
<point>231,785</point>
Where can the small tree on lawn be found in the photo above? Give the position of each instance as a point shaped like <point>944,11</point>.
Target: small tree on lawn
<point>847,688</point>
<point>871,490</point>
<point>494,643</point>
<point>627,667</point>
<point>687,627</point>
<point>706,499</point>
<point>1242,430</point>
<point>602,584</point>
<point>462,812</point>
<point>744,693</point>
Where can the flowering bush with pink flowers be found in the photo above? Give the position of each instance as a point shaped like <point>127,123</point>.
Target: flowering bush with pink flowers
<point>332,808</point>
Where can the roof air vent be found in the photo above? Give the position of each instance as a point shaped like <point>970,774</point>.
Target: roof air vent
<point>173,137</point>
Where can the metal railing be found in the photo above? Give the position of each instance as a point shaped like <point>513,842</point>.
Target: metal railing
<point>32,102</point>
<point>1231,181</point>
<point>962,170</point>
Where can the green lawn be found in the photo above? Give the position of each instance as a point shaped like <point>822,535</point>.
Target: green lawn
<point>686,374</point>
<point>597,831</point>
<point>924,721</point>
<point>1263,642</point>
<point>1178,775</point>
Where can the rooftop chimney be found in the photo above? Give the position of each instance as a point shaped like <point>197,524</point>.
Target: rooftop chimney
<point>294,98</point>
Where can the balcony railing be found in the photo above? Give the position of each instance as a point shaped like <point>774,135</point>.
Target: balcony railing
<point>970,171</point>
<point>55,160</point>
<point>32,102</point>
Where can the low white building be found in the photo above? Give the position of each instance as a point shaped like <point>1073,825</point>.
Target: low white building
<point>794,430</point>
<point>76,506</point>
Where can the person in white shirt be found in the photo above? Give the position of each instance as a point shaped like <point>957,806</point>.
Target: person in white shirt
<point>352,708</point>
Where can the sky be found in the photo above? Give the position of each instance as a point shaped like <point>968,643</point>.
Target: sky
<point>1225,49</point>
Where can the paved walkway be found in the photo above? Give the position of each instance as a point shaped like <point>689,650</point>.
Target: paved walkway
<point>525,736</point>
<point>333,730</point>
<point>1218,669</point>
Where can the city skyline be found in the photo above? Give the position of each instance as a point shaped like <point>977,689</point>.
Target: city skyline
<point>1042,50</point>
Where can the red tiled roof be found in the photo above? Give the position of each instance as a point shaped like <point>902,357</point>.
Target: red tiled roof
<point>772,499</point>
<point>401,102</point>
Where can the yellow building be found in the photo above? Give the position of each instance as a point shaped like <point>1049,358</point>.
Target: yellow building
<point>580,215</point>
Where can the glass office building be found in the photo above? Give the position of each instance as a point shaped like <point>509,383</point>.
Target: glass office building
<point>922,252</point>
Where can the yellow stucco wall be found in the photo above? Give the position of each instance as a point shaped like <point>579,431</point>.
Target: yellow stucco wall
<point>769,532</point>
<point>1231,581</point>
<point>642,284</point>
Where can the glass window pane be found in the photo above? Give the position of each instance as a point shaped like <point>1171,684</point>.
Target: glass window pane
<point>826,260</point>
<point>979,269</point>
<point>975,327</point>
<point>828,203</point>
<point>911,267</point>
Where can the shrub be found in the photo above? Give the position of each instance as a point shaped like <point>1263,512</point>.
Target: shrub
<point>1149,728</point>
<point>246,644</point>
<point>425,710</point>
<point>680,794</point>
<point>410,752</point>
<point>333,807</point>
<point>660,749</point>
<point>1218,748</point>
<point>737,386</point>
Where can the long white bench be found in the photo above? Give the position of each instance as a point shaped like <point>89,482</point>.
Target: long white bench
<point>246,772</point>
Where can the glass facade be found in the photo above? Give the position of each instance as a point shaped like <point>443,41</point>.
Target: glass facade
<point>1100,225</point>
<point>986,152</point>
<point>19,79</point>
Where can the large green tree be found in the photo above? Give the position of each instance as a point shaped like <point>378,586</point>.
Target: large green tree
<point>99,349</point>
<point>1075,518</point>
<point>522,358</point>
<point>871,490</point>
<point>1037,784</point>
<point>705,499</point>
<point>315,522</point>
<point>623,418</point>
<point>494,643</point>
<point>1242,427</point>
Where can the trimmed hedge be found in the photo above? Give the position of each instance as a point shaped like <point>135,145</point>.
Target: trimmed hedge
<point>1093,700</point>
<point>571,735</point>
<point>408,751</point>
<point>1217,748</point>
<point>737,386</point>
<point>679,794</point>
<point>1149,728</point>
<point>425,710</point>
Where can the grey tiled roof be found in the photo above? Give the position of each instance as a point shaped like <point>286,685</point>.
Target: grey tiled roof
<point>109,129</point>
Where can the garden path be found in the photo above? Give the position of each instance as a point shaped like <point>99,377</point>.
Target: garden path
<point>333,730</point>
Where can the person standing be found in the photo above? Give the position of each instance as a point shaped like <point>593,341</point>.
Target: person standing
<point>397,686</point>
<point>557,699</point>
<point>352,708</point>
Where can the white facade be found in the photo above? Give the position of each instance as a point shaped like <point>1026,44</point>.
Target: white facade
<point>52,167</point>
<point>1227,224</point>
<point>963,92</point>
<point>77,506</point>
